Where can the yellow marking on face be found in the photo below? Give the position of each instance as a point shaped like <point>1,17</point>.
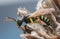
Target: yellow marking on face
<point>31,20</point>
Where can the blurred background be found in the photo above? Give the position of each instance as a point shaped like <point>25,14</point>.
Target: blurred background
<point>9,8</point>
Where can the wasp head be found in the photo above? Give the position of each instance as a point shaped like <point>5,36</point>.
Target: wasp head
<point>19,22</point>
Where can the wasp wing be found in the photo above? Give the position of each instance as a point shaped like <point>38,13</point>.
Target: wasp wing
<point>42,12</point>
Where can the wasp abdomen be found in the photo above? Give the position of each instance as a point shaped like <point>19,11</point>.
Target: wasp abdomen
<point>45,19</point>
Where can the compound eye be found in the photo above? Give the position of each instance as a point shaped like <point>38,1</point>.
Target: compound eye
<point>19,23</point>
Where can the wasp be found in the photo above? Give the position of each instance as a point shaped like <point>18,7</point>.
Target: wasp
<point>30,20</point>
<point>34,20</point>
<point>39,16</point>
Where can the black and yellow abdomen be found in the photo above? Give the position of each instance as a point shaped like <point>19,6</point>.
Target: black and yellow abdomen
<point>45,19</point>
